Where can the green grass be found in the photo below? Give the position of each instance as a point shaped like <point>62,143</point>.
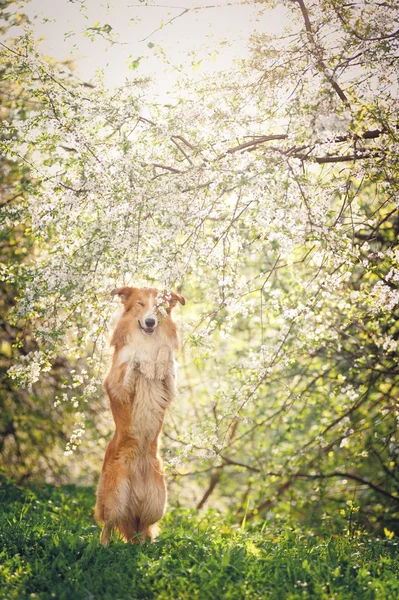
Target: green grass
<point>50,549</point>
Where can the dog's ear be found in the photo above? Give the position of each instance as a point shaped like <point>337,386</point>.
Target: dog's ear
<point>175,298</point>
<point>124,293</point>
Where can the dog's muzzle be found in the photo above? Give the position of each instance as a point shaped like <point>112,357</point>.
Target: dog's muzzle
<point>149,326</point>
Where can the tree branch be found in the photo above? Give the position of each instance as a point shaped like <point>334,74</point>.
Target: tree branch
<point>300,475</point>
<point>172,169</point>
<point>212,484</point>
<point>259,140</point>
<point>181,14</point>
<point>318,54</point>
<point>181,150</point>
<point>369,484</point>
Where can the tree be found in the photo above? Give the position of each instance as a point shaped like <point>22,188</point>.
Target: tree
<point>268,195</point>
<point>35,427</point>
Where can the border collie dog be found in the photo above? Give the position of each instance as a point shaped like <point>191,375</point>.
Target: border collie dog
<point>131,493</point>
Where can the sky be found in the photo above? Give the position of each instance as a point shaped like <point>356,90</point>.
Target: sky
<point>61,25</point>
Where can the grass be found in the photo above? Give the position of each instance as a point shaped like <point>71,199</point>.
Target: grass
<point>50,549</point>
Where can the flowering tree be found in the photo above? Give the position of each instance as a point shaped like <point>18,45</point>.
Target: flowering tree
<point>268,196</point>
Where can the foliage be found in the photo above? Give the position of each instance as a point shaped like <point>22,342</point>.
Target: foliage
<point>51,549</point>
<point>34,430</point>
<point>269,196</point>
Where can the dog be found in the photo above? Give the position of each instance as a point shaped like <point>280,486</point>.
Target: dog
<point>131,493</point>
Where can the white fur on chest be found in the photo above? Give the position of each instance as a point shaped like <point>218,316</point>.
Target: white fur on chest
<point>149,343</point>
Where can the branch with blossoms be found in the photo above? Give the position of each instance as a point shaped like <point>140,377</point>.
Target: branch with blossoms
<point>303,153</point>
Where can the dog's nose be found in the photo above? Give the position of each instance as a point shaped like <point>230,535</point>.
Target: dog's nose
<point>150,322</point>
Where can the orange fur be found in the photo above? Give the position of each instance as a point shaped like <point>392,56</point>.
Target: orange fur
<point>131,493</point>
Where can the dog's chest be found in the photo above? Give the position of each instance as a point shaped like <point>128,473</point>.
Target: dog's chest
<point>131,350</point>
<point>150,402</point>
<point>138,343</point>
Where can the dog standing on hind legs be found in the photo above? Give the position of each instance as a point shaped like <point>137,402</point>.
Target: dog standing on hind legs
<point>131,493</point>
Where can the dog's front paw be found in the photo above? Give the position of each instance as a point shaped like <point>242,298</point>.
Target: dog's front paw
<point>145,365</point>
<point>147,368</point>
<point>164,363</point>
<point>162,370</point>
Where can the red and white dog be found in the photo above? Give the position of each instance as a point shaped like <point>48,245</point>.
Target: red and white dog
<point>131,494</point>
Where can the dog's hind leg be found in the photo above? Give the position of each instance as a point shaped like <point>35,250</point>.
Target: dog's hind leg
<point>135,532</point>
<point>147,533</point>
<point>112,499</point>
<point>105,533</point>
<point>130,531</point>
<point>153,531</point>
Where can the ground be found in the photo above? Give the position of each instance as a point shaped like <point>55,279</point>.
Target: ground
<point>50,549</point>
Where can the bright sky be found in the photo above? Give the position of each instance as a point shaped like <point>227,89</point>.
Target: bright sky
<point>62,24</point>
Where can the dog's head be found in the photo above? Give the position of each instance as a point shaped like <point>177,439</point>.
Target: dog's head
<point>147,306</point>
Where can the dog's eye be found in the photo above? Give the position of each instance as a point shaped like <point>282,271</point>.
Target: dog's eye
<point>140,303</point>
